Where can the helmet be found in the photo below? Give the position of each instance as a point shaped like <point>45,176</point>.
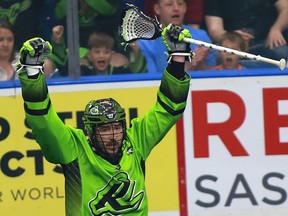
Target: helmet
<point>102,111</point>
<point>99,112</point>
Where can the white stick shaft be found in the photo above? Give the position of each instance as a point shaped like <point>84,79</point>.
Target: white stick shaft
<point>280,64</point>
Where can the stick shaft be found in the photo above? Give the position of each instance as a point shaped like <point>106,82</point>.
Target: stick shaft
<point>281,64</point>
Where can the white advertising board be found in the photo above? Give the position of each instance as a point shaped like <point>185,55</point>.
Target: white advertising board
<point>235,146</point>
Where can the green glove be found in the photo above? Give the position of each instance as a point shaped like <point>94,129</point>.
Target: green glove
<point>172,37</point>
<point>33,54</point>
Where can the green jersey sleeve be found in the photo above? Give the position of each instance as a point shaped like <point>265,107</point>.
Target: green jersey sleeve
<point>57,140</point>
<point>146,132</point>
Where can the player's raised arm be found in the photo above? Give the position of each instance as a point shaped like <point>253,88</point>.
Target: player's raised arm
<point>171,96</point>
<point>48,129</point>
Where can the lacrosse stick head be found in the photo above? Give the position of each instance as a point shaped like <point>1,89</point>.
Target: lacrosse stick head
<point>134,24</point>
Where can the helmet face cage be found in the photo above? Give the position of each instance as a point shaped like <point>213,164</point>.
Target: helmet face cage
<point>109,137</point>
<point>103,112</point>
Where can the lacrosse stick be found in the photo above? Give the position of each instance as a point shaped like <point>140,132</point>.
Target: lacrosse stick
<point>136,25</point>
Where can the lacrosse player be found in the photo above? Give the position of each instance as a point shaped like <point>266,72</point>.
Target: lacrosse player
<point>105,170</point>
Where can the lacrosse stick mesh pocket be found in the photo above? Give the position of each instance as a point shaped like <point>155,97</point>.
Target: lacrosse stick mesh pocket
<point>136,25</point>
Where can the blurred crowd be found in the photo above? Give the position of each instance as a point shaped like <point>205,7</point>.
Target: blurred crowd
<point>254,26</point>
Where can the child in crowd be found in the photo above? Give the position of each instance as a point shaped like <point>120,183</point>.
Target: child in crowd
<point>234,41</point>
<point>97,57</point>
<point>101,58</point>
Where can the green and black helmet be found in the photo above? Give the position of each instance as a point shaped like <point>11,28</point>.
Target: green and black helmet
<point>102,111</point>
<point>97,114</point>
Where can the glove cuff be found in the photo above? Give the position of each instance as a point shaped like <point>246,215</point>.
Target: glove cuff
<point>188,55</point>
<point>31,71</point>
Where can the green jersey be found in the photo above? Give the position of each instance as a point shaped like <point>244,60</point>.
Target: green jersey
<point>93,186</point>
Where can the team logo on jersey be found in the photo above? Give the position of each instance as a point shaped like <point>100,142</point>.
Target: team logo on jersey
<point>117,197</point>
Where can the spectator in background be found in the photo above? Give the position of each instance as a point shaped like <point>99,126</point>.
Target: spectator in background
<point>231,40</point>
<point>99,58</point>
<point>100,15</point>
<point>260,22</point>
<point>8,54</point>
<point>58,58</point>
<point>173,11</point>
<point>94,16</point>
<point>194,15</point>
<point>24,17</point>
